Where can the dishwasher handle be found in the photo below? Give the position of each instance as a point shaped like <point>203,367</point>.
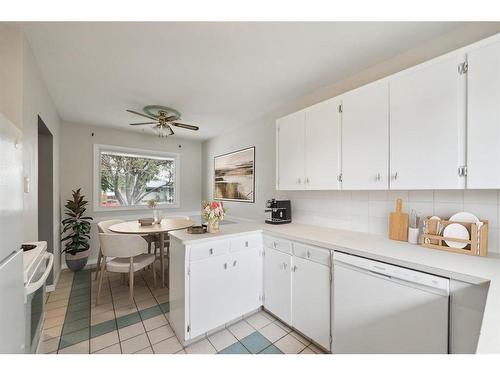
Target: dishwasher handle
<point>33,287</point>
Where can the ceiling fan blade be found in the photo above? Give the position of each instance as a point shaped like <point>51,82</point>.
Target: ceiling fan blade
<point>141,114</point>
<point>143,123</point>
<point>171,131</point>
<point>172,118</point>
<point>185,126</point>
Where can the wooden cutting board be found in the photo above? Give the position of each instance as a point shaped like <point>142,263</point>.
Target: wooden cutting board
<point>398,223</point>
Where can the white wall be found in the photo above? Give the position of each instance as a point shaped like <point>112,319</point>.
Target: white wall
<point>77,168</point>
<point>23,97</point>
<point>361,211</point>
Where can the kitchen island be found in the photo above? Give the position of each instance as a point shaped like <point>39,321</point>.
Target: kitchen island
<point>480,275</point>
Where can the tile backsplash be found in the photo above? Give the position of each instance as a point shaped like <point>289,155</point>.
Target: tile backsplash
<point>368,211</point>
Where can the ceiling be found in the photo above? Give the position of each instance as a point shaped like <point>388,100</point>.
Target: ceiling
<point>219,75</point>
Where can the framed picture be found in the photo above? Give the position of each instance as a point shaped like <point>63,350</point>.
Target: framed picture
<point>234,176</point>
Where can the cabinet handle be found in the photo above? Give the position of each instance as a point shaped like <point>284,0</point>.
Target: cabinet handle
<point>299,181</point>
<point>234,263</point>
<point>225,266</point>
<point>308,253</point>
<point>211,251</point>
<point>246,243</point>
<point>307,180</point>
<point>395,176</point>
<point>378,177</point>
<point>284,265</point>
<point>294,268</point>
<point>275,244</point>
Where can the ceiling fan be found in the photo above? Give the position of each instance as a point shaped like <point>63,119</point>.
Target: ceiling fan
<point>163,119</point>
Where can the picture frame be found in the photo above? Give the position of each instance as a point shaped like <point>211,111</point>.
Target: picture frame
<point>234,176</point>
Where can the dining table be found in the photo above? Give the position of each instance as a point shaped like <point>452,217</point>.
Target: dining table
<point>161,229</point>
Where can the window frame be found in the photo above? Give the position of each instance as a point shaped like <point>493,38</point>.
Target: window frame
<point>98,148</point>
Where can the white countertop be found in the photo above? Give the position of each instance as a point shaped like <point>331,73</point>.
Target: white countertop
<point>32,257</point>
<point>471,269</point>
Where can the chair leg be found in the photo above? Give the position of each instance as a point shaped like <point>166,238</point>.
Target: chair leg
<point>103,270</point>
<point>149,247</point>
<point>99,258</point>
<point>154,273</point>
<point>131,280</point>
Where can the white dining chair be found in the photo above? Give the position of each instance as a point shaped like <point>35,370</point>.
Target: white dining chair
<point>128,255</point>
<point>103,227</point>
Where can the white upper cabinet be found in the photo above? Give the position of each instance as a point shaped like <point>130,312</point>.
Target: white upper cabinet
<point>427,126</point>
<point>322,139</point>
<point>365,138</point>
<point>290,164</point>
<point>483,117</point>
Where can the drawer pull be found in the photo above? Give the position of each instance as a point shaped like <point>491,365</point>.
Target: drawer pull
<point>294,268</point>
<point>275,244</point>
<point>234,263</point>
<point>308,253</point>
<point>211,251</point>
<point>246,243</point>
<point>225,266</point>
<point>284,265</point>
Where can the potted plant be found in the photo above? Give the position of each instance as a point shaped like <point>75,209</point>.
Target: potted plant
<point>213,213</point>
<point>152,204</point>
<point>76,229</point>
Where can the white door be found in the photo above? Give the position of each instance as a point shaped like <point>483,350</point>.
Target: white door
<point>245,280</point>
<point>322,146</point>
<point>278,284</point>
<point>210,294</point>
<point>365,138</point>
<point>483,122</point>
<point>311,300</point>
<point>427,126</point>
<point>290,152</point>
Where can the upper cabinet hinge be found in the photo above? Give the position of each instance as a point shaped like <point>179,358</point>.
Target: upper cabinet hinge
<point>188,328</point>
<point>340,108</point>
<point>463,67</point>
<point>339,177</point>
<point>462,171</point>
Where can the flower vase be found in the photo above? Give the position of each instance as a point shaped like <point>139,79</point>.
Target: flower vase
<point>156,216</point>
<point>213,226</point>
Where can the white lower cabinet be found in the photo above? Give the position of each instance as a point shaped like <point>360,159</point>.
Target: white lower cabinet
<point>311,300</point>
<point>278,284</point>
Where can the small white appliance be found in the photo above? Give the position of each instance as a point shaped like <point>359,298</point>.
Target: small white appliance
<point>12,330</point>
<point>382,308</point>
<point>37,267</point>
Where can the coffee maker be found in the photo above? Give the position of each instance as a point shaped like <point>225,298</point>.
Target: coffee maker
<point>281,211</point>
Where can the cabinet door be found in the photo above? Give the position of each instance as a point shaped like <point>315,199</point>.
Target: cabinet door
<point>210,295</point>
<point>427,126</point>
<point>278,284</point>
<point>365,138</point>
<point>245,280</point>
<point>322,145</point>
<point>483,123</point>
<point>290,152</point>
<point>311,300</point>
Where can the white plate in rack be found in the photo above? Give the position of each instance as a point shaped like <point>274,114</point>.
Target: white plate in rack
<point>456,230</point>
<point>465,217</point>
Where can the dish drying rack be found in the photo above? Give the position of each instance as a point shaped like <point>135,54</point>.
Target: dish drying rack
<point>477,244</point>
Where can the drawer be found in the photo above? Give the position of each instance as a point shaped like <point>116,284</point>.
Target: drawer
<point>313,253</point>
<point>278,244</point>
<point>245,242</point>
<point>210,249</point>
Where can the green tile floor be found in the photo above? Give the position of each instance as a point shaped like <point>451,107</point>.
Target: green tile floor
<point>75,324</point>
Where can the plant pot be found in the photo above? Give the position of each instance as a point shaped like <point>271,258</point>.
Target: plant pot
<point>78,261</point>
<point>213,226</point>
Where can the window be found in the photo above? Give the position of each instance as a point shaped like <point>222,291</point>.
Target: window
<point>128,178</point>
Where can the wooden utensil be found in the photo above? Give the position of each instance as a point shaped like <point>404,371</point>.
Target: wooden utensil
<point>398,223</point>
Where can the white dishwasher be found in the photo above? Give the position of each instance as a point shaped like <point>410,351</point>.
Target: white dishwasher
<point>382,308</point>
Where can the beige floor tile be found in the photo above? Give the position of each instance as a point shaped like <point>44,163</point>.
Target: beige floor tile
<point>80,348</point>
<point>150,302</point>
<point>53,322</point>
<point>222,339</point>
<point>122,311</point>
<point>142,296</point>
<point>307,351</point>
<point>301,338</point>
<point>131,331</point>
<point>258,320</point>
<point>135,344</point>
<point>61,291</point>
<point>316,349</point>
<point>155,322</point>
<point>148,350</point>
<point>160,334</point>
<point>289,345</point>
<point>103,341</point>
<point>162,299</point>
<point>283,326</point>
<point>201,347</point>
<point>241,329</point>
<point>61,311</point>
<point>272,332</point>
<point>182,351</point>
<point>268,315</point>
<point>56,304</point>
<point>58,297</point>
<point>113,349</point>
<point>102,308</point>
<point>51,333</point>
<point>48,346</point>
<point>168,346</point>
<point>103,317</point>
